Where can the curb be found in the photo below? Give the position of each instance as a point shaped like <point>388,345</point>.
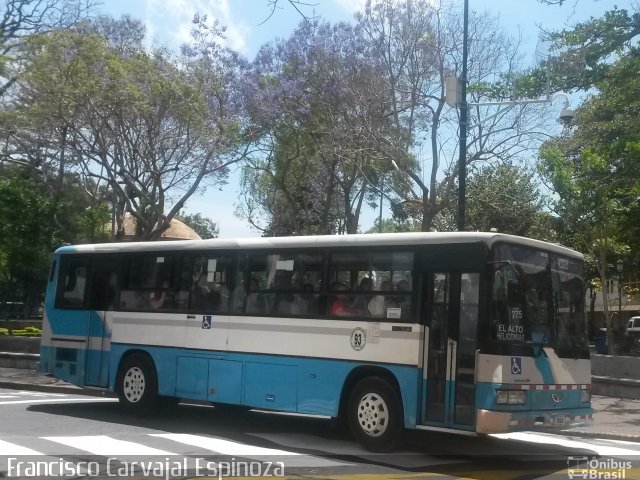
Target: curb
<point>69,389</point>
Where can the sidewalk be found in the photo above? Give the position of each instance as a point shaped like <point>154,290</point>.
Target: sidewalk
<point>27,379</point>
<point>615,418</point>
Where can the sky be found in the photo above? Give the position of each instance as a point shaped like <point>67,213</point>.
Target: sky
<point>252,23</point>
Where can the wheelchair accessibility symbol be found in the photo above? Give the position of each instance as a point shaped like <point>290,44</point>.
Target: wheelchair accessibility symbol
<point>206,322</point>
<point>516,365</point>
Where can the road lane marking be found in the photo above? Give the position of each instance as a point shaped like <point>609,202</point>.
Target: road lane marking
<point>12,450</point>
<point>50,400</point>
<point>107,446</point>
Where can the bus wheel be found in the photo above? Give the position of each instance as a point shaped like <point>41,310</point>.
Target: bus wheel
<point>375,414</point>
<point>137,384</point>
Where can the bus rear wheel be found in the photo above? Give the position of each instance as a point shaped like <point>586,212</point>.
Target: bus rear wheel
<point>137,384</point>
<point>375,414</point>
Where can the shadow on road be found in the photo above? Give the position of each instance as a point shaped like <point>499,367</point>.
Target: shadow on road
<point>439,453</point>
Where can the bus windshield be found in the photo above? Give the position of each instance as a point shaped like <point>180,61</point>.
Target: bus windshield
<point>537,298</point>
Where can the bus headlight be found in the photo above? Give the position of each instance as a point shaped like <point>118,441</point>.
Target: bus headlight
<point>511,397</point>
<point>586,395</point>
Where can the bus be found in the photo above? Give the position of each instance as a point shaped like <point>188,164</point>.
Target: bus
<point>461,332</point>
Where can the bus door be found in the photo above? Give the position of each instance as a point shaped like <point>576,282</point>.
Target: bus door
<point>102,296</point>
<point>451,317</point>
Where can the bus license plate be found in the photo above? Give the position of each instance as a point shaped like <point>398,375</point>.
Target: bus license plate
<point>558,420</point>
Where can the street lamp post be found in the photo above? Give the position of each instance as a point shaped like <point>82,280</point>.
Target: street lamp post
<point>459,99</point>
<point>464,114</point>
<point>619,267</point>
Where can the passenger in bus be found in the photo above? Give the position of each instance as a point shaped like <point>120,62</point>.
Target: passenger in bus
<point>378,305</point>
<point>284,301</point>
<point>203,296</point>
<point>403,300</point>
<point>255,301</point>
<point>308,300</point>
<point>161,299</point>
<point>361,303</point>
<point>341,305</point>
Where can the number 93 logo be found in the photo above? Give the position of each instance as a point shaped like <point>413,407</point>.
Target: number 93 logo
<point>358,339</point>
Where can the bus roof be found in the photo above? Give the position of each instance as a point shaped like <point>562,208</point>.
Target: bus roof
<point>319,241</point>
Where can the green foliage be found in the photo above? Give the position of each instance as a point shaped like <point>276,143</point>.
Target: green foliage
<point>506,197</point>
<point>581,56</point>
<point>22,332</point>
<point>390,225</point>
<point>593,171</point>
<point>27,235</point>
<point>203,226</point>
<point>33,221</point>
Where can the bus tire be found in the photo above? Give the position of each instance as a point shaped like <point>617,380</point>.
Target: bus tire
<point>137,384</point>
<point>375,414</point>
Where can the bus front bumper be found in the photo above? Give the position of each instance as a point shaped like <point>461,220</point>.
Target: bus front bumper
<point>490,421</point>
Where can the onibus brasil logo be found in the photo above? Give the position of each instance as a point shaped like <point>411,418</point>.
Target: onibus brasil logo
<point>596,468</point>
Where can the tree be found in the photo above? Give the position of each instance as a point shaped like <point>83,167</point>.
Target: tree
<point>316,97</point>
<point>595,165</point>
<point>27,237</point>
<point>150,128</point>
<point>20,19</point>
<point>507,198</point>
<point>420,45</point>
<point>581,56</point>
<point>203,226</point>
<point>360,100</point>
<point>593,170</point>
<point>390,225</point>
<point>587,206</point>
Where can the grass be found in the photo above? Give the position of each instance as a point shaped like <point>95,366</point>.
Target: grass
<point>22,332</point>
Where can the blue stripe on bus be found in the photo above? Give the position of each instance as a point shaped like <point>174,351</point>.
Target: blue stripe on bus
<point>304,385</point>
<point>544,367</point>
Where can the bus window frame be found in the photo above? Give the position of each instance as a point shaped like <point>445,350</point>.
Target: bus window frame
<point>412,293</point>
<point>65,261</point>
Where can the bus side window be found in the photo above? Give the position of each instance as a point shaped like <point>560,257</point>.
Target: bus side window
<point>72,287</point>
<point>207,277</point>
<point>103,290</point>
<point>149,282</point>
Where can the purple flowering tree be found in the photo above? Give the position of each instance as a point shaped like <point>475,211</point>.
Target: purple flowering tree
<point>151,128</point>
<point>318,103</point>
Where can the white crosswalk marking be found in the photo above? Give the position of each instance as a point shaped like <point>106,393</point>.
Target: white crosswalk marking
<point>236,449</point>
<point>107,446</point>
<point>11,450</point>
<point>222,446</point>
<point>40,394</point>
<point>25,393</point>
<point>570,442</point>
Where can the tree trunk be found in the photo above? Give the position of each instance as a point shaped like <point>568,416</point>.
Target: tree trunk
<point>605,302</point>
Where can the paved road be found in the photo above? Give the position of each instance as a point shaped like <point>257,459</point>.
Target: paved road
<point>64,430</point>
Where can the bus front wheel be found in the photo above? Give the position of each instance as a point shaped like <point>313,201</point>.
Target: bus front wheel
<point>375,414</point>
<point>137,384</point>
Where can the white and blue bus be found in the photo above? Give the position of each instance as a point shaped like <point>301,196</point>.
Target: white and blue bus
<point>467,332</point>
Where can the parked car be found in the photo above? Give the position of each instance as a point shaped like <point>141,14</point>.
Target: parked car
<point>633,327</point>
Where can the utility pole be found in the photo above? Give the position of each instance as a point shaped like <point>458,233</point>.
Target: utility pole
<point>464,116</point>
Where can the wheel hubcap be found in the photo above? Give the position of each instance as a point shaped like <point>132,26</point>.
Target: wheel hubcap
<point>373,415</point>
<point>134,384</point>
